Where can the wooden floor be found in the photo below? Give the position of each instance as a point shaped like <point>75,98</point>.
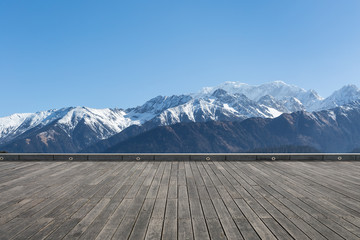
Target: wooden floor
<point>180,200</point>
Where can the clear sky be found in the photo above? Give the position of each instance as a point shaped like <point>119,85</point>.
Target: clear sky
<point>102,54</point>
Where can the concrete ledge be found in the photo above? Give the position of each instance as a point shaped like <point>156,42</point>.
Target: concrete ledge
<point>139,157</point>
<point>272,157</point>
<point>180,157</point>
<point>5,157</point>
<point>207,157</point>
<point>36,157</point>
<point>172,157</point>
<point>306,157</point>
<point>240,157</point>
<point>70,157</point>
<point>103,157</point>
<point>340,157</point>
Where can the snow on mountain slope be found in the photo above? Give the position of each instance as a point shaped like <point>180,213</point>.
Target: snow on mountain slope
<point>335,130</point>
<point>345,95</point>
<point>160,103</point>
<point>230,101</point>
<point>105,122</point>
<point>16,124</point>
<point>219,106</point>
<point>196,110</point>
<point>286,98</point>
<point>279,90</point>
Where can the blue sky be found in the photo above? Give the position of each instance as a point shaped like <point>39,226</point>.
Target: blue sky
<point>102,54</point>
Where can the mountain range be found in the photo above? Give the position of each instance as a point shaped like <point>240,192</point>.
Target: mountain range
<point>232,117</point>
<point>335,130</point>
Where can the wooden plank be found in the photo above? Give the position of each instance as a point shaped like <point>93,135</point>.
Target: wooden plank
<point>229,226</point>
<point>97,225</point>
<point>246,230</point>
<point>114,220</point>
<point>183,208</point>
<point>173,185</point>
<point>154,188</point>
<point>180,200</point>
<point>64,229</point>
<point>155,228</point>
<point>80,228</point>
<point>185,229</point>
<point>314,208</point>
<point>159,209</point>
<point>124,229</point>
<point>48,229</point>
<point>215,229</point>
<point>208,209</point>
<point>169,229</point>
<point>17,211</point>
<point>289,226</point>
<point>142,222</point>
<point>170,222</point>
<point>254,220</point>
<point>200,228</point>
<point>276,229</point>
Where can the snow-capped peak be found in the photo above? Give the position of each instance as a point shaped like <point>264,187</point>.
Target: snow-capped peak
<point>16,124</point>
<point>230,101</point>
<point>276,89</point>
<point>279,90</point>
<point>160,103</point>
<point>345,95</point>
<point>104,121</point>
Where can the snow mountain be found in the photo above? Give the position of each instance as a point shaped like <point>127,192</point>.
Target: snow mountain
<point>73,129</point>
<point>335,130</point>
<point>279,90</point>
<point>102,122</point>
<point>16,124</point>
<point>345,95</point>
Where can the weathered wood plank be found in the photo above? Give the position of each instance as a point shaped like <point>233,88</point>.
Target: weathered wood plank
<point>180,200</point>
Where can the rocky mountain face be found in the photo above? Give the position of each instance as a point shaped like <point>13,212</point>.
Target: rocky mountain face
<point>82,129</point>
<point>335,130</point>
<point>64,130</point>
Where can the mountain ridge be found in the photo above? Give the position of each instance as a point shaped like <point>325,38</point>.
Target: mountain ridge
<point>230,101</point>
<point>334,130</point>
